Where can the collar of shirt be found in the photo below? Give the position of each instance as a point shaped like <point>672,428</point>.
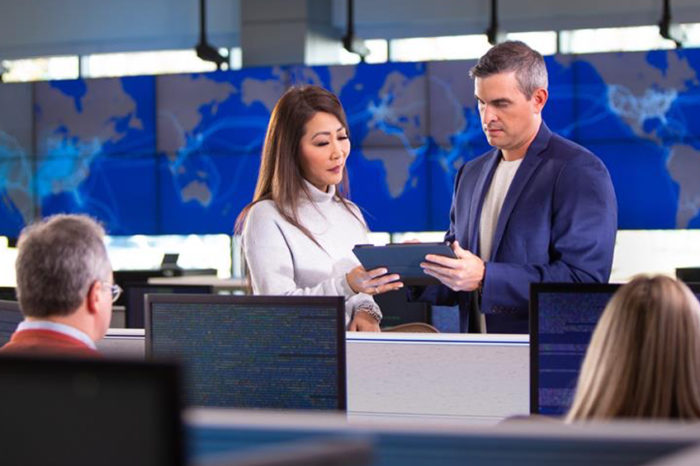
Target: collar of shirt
<point>319,196</point>
<point>56,327</point>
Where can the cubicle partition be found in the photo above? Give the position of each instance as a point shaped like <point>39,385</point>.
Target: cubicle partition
<point>393,377</point>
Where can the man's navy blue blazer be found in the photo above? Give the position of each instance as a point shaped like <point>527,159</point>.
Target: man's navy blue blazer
<point>557,224</point>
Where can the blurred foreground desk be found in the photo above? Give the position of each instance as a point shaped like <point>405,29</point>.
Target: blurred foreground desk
<point>478,379</point>
<point>523,443</point>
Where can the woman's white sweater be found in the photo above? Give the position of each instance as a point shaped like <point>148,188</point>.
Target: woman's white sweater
<point>282,260</point>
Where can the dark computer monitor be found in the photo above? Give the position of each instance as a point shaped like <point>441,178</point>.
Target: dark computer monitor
<point>87,412</point>
<point>10,317</point>
<point>688,274</point>
<point>125,278</point>
<point>282,352</point>
<point>134,298</point>
<point>8,293</point>
<point>562,319</point>
<point>397,310</point>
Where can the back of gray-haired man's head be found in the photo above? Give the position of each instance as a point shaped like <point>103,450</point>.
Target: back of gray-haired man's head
<point>59,259</point>
<point>514,56</point>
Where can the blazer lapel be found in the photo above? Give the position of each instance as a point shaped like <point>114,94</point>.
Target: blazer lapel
<point>527,168</point>
<point>482,185</point>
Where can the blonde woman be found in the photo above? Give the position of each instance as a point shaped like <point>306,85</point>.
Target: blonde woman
<point>644,357</point>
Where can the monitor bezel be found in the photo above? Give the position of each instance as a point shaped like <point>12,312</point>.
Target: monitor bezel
<point>167,375</point>
<point>315,301</point>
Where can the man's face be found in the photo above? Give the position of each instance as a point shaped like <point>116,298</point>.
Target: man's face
<point>508,118</point>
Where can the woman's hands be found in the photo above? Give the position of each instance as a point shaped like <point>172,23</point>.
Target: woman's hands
<point>375,281</point>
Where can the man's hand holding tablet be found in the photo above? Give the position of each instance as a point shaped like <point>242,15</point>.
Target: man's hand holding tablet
<point>463,273</point>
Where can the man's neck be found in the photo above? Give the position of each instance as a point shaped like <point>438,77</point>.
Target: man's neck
<point>74,320</point>
<point>510,155</point>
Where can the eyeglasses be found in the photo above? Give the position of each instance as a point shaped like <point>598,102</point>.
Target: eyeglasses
<point>115,289</point>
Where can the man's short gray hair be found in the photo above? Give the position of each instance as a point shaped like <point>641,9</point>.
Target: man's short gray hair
<point>59,259</point>
<point>513,55</point>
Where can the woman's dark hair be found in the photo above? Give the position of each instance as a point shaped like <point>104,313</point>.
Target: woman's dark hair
<point>281,177</point>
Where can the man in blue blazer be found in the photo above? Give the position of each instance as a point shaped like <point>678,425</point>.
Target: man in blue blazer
<point>536,208</point>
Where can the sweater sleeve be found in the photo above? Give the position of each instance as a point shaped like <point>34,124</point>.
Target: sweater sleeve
<point>269,259</point>
<point>361,300</point>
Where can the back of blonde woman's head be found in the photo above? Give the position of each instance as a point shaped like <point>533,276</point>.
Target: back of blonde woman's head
<point>644,357</point>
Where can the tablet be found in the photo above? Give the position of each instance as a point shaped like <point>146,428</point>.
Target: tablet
<point>403,259</point>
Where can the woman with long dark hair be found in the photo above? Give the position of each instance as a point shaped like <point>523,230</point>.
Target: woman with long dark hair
<point>299,230</point>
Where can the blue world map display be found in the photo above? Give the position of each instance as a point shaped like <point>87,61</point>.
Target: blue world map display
<point>179,154</point>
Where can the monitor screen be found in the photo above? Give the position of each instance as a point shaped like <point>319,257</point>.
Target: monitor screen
<point>86,412</point>
<point>688,274</point>
<point>562,319</point>
<point>135,294</point>
<point>10,317</point>
<point>8,293</point>
<point>281,352</point>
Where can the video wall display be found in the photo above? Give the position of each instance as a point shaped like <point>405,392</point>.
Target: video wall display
<point>178,154</point>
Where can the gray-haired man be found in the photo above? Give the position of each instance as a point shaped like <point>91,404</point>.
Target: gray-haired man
<point>536,208</point>
<point>64,287</point>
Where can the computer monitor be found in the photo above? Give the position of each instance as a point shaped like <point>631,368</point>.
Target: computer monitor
<point>10,317</point>
<point>688,274</point>
<point>281,352</point>
<point>562,319</point>
<point>87,412</point>
<point>8,293</point>
<point>135,293</point>
<point>397,310</point>
<point>125,278</point>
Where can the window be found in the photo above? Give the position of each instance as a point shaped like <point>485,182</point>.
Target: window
<point>378,53</point>
<point>438,48</point>
<point>544,42</point>
<point>692,34</point>
<point>140,63</point>
<point>196,252</point>
<point>664,251</point>
<point>8,256</point>
<point>40,69</point>
<point>626,39</point>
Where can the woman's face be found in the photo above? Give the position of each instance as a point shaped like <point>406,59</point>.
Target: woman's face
<point>324,147</point>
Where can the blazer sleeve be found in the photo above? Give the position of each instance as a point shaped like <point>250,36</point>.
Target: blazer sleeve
<point>584,223</point>
<point>269,259</point>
